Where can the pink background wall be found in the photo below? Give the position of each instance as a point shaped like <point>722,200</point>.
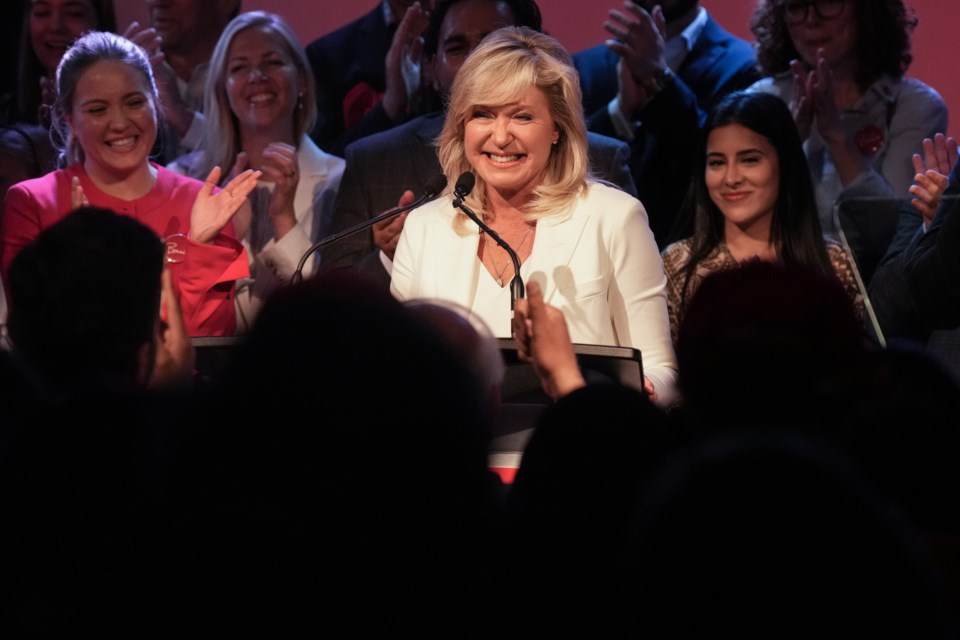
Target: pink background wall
<point>578,25</point>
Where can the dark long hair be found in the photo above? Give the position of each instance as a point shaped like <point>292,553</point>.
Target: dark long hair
<point>795,228</point>
<point>883,38</point>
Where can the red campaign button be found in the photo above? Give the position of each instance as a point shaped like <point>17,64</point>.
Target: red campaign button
<point>176,245</point>
<point>869,139</point>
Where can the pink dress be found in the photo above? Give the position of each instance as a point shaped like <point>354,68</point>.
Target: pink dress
<point>204,274</point>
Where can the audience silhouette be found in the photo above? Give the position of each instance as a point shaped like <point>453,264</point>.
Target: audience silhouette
<point>762,534</point>
<point>350,482</point>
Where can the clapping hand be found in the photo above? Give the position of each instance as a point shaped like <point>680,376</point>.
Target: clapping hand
<point>77,197</point>
<point>406,48</point>
<point>214,211</point>
<point>148,39</point>
<point>279,165</point>
<point>175,356</point>
<point>640,40</point>
<point>813,92</point>
<point>933,169</point>
<point>386,233</point>
<point>802,102</point>
<point>175,110</point>
<point>824,102</point>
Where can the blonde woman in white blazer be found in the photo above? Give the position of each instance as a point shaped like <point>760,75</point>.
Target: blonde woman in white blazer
<point>515,120</point>
<point>260,105</point>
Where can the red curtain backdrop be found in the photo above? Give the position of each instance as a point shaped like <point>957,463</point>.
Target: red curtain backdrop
<point>578,25</point>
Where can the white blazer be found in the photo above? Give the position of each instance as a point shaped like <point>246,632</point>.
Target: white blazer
<point>275,263</point>
<point>597,262</point>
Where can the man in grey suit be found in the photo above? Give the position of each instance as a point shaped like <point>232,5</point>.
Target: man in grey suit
<point>385,169</point>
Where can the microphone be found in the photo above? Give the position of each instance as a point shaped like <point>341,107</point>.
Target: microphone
<point>463,188</point>
<point>434,186</point>
<point>465,184</point>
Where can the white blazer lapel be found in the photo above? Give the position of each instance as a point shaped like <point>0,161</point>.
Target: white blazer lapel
<point>314,169</point>
<point>455,273</point>
<point>557,239</point>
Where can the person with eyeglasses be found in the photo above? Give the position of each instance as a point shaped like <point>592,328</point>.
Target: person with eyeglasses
<point>841,66</point>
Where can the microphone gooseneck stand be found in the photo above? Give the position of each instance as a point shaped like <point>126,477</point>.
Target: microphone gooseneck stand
<point>433,188</point>
<point>463,188</point>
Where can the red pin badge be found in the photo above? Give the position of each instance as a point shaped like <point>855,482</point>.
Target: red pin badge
<point>869,139</point>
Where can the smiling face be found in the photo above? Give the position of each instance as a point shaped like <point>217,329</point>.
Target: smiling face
<point>114,119</point>
<point>509,145</point>
<point>262,82</point>
<point>837,35</point>
<point>55,24</point>
<point>742,176</point>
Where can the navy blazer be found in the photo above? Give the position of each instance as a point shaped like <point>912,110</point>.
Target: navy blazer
<point>662,153</point>
<point>916,289</point>
<point>380,167</point>
<point>341,60</point>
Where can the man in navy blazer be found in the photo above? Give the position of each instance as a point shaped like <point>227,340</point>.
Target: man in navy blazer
<point>678,63</point>
<point>916,289</point>
<point>380,168</point>
<point>350,64</point>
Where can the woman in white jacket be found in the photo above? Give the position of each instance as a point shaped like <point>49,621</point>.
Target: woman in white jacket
<point>260,105</point>
<point>515,120</point>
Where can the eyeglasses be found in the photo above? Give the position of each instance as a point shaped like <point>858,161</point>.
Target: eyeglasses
<point>796,11</point>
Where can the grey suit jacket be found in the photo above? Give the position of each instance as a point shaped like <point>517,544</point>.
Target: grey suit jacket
<point>380,167</point>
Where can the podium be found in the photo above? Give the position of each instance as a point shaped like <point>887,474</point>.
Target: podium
<point>524,399</point>
<point>522,396</point>
<point>521,385</point>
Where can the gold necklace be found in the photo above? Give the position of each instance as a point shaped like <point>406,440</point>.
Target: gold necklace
<point>499,270</point>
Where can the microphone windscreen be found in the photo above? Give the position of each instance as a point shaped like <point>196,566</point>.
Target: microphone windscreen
<point>465,184</point>
<point>435,185</point>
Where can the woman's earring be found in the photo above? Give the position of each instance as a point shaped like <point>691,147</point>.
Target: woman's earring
<point>300,102</point>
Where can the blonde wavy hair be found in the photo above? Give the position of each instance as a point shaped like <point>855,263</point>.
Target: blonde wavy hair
<point>508,62</point>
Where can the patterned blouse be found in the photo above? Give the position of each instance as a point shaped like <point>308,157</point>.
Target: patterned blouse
<point>676,255</point>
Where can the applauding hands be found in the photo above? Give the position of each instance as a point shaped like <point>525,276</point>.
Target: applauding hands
<point>640,40</point>
<point>933,169</point>
<point>213,211</point>
<point>278,164</point>
<point>175,357</point>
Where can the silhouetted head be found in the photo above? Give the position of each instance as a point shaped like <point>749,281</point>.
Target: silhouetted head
<point>774,534</point>
<point>765,342</point>
<point>347,446</point>
<point>85,299</point>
